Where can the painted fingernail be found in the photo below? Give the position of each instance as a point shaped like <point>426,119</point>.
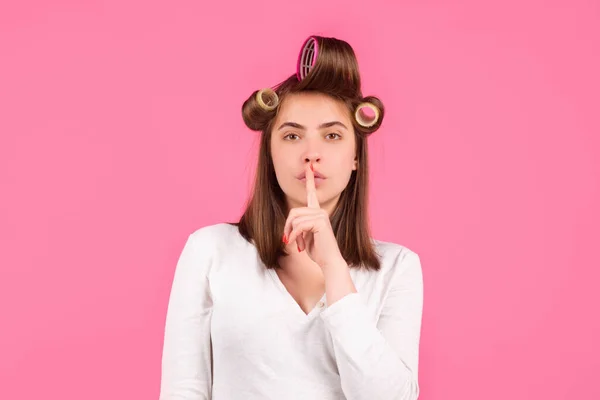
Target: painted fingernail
<point>285,239</point>
<point>311,168</point>
<point>299,248</point>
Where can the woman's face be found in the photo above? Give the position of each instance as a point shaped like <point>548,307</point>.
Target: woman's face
<point>313,127</point>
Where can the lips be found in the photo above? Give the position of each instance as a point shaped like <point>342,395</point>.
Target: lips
<point>316,174</point>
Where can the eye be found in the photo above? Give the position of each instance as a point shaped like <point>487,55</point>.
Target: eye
<point>337,134</point>
<point>287,137</point>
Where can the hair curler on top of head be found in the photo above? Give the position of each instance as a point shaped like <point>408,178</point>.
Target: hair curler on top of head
<point>307,57</point>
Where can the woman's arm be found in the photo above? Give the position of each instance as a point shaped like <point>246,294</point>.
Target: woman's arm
<point>380,360</point>
<point>186,359</point>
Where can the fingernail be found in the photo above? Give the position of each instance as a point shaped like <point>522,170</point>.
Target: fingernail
<point>285,239</point>
<point>311,168</point>
<point>299,248</point>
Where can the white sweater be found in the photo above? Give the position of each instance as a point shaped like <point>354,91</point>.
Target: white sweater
<point>233,331</point>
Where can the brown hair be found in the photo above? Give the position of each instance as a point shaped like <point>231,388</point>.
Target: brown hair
<point>336,74</point>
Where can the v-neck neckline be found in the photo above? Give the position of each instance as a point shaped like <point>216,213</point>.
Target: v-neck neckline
<point>321,304</point>
<point>290,299</point>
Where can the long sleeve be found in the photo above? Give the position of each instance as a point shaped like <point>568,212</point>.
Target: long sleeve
<point>187,358</point>
<point>379,359</point>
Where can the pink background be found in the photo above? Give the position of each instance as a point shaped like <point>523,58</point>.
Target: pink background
<point>121,133</point>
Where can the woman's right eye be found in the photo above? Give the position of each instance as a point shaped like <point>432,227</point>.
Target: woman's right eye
<point>287,137</point>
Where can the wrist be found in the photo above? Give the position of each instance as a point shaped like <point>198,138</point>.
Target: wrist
<point>338,281</point>
<point>336,264</point>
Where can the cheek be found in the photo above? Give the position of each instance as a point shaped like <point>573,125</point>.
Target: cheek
<point>282,164</point>
<point>346,160</point>
<point>277,157</point>
<point>342,164</point>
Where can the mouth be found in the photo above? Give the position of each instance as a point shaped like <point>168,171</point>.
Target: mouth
<point>317,180</point>
<point>317,175</point>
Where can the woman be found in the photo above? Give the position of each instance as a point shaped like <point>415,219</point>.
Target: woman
<point>296,300</point>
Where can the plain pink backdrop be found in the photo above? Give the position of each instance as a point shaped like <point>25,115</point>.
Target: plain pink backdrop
<point>121,133</point>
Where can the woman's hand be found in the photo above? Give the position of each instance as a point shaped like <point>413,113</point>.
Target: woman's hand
<point>311,229</point>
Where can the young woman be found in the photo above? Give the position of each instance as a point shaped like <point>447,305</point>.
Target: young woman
<point>296,300</point>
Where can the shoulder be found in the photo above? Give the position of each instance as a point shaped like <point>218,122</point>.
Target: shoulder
<point>204,246</point>
<point>215,232</point>
<point>398,260</point>
<point>210,240</point>
<point>215,235</point>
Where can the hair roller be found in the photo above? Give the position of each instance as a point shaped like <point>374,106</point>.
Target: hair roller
<point>267,99</point>
<point>364,120</point>
<point>307,57</point>
<point>257,110</point>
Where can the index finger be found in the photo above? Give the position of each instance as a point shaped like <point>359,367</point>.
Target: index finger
<point>311,189</point>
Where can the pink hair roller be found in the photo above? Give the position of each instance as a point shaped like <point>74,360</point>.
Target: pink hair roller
<point>307,57</point>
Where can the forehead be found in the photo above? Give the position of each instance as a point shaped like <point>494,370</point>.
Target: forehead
<point>312,109</point>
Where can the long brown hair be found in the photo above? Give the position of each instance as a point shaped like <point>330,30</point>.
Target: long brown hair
<point>335,74</point>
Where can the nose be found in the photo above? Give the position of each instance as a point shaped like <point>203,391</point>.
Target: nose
<point>312,157</point>
<point>312,149</point>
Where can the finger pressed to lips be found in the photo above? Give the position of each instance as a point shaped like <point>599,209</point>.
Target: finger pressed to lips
<point>311,190</point>
<point>301,215</point>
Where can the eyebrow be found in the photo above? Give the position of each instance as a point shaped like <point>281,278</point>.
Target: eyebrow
<point>322,126</point>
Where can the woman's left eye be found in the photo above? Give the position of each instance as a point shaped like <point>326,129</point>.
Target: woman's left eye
<point>337,134</point>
